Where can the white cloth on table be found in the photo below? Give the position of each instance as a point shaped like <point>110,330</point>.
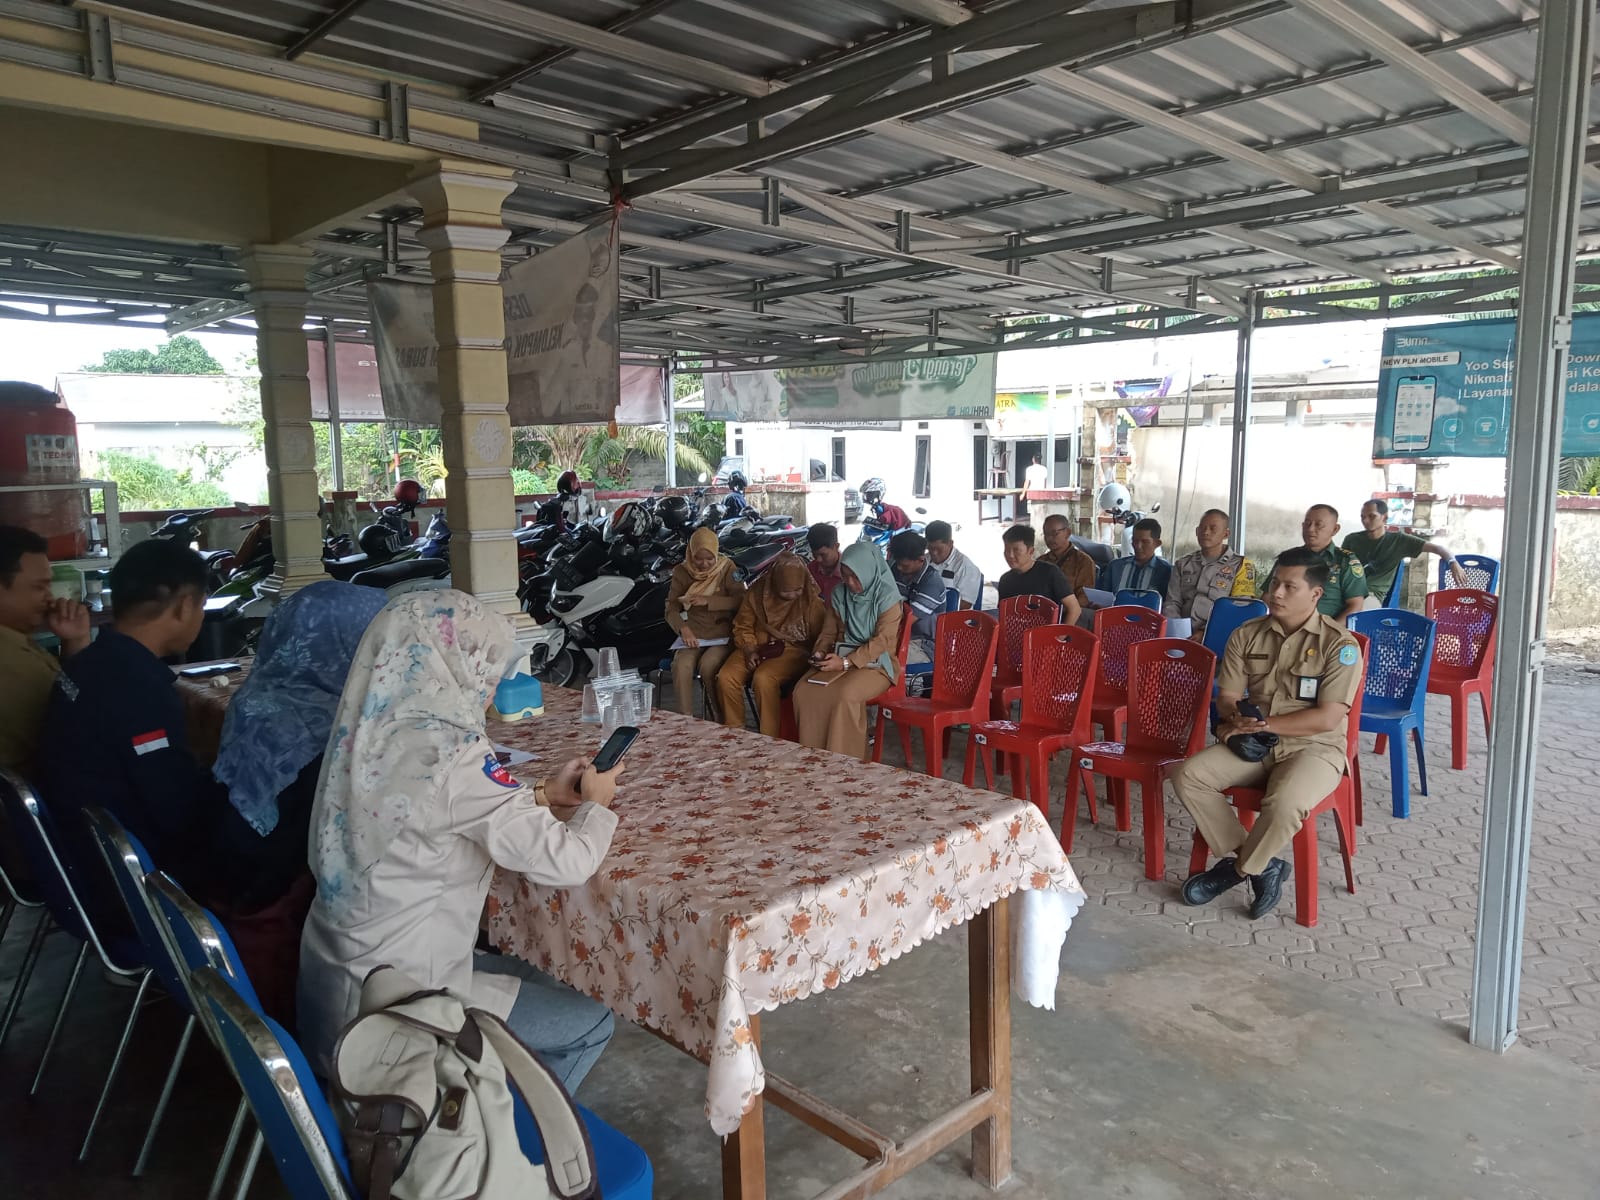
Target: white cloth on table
<point>1039,924</point>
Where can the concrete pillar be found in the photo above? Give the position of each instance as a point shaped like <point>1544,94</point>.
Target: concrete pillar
<point>1088,474</point>
<point>277,277</point>
<point>463,232</point>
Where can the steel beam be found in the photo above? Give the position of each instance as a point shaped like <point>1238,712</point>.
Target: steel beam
<point>323,28</point>
<point>1538,396</point>
<point>1238,473</point>
<point>618,24</point>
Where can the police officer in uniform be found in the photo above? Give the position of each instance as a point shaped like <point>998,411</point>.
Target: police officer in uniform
<point>1302,670</point>
<point>1211,573</point>
<point>1346,591</point>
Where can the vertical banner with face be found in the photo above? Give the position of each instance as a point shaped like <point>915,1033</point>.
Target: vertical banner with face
<point>407,351</point>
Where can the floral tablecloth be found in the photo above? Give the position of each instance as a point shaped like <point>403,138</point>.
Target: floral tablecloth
<point>747,872</point>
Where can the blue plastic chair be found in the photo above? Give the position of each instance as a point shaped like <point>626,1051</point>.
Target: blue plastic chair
<point>195,938</point>
<point>1482,572</point>
<point>1397,690</point>
<point>1227,614</point>
<point>300,1128</point>
<point>129,862</point>
<point>1147,597</point>
<point>1397,589</point>
<point>18,896</point>
<point>952,600</point>
<point>120,955</point>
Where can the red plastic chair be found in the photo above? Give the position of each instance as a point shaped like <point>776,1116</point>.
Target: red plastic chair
<point>1119,628</point>
<point>963,664</point>
<point>1463,658</point>
<point>1057,695</point>
<point>1169,697</point>
<point>789,729</point>
<point>1343,802</point>
<point>1018,615</point>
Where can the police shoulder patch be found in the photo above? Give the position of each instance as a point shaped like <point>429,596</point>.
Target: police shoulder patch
<point>1349,655</point>
<point>492,770</point>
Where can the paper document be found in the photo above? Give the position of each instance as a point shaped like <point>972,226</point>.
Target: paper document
<point>824,679</point>
<point>704,642</point>
<point>513,758</point>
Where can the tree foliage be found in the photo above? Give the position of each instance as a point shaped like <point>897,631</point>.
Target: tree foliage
<point>143,484</point>
<point>179,356</point>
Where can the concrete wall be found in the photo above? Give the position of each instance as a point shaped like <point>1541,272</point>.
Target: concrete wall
<point>1477,526</point>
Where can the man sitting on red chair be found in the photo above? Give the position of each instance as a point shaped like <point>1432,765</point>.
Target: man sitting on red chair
<point>1302,671</point>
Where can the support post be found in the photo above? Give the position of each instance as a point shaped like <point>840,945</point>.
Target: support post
<point>1241,424</point>
<point>672,426</point>
<point>277,276</point>
<point>463,232</point>
<point>1544,331</point>
<point>330,352</point>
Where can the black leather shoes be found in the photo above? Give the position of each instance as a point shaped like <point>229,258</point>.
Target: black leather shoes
<point>1211,883</point>
<point>1267,888</point>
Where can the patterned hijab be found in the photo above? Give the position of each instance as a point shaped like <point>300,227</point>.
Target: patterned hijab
<point>279,722</point>
<point>787,620</point>
<point>859,614</point>
<point>708,582</point>
<point>416,696</point>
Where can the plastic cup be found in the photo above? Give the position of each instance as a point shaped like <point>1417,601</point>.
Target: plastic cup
<point>610,663</point>
<point>591,705</point>
<point>643,701</point>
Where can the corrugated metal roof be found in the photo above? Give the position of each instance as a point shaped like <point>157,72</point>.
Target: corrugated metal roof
<point>1112,156</point>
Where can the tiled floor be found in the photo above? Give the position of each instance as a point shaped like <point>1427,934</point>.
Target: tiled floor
<point>1406,936</point>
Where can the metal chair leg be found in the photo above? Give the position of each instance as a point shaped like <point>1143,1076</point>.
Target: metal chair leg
<point>220,1175</point>
<point>116,1066</point>
<point>166,1095</point>
<point>29,958</point>
<point>61,1016</point>
<point>242,1190</point>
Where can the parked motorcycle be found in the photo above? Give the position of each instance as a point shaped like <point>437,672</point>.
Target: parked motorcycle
<point>873,530</point>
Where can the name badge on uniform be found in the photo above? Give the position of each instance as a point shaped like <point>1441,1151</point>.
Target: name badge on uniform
<point>1308,687</point>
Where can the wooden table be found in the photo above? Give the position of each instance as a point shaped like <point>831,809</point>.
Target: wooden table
<point>205,704</point>
<point>747,873</point>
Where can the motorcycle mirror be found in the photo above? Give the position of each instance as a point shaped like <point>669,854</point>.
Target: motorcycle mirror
<point>1156,507</point>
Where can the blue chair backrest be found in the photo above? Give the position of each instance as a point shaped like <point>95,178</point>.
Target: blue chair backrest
<point>1399,655</point>
<point>197,938</point>
<point>294,1116</point>
<point>952,600</point>
<point>1397,589</point>
<point>1147,597</point>
<point>30,825</point>
<point>1482,572</point>
<point>129,862</point>
<point>1227,614</point>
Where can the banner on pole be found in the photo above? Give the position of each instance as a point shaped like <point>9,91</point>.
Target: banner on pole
<point>562,360</point>
<point>360,393</point>
<point>850,393</point>
<point>1444,391</point>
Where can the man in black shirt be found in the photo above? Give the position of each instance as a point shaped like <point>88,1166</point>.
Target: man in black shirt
<point>1028,576</point>
<point>115,736</point>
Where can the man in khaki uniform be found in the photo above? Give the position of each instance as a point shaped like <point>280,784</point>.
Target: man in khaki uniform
<point>27,605</point>
<point>1302,670</point>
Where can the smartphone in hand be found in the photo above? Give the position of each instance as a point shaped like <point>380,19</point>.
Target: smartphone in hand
<point>616,746</point>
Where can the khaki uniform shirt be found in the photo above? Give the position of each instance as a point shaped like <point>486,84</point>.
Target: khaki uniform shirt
<point>1199,582</point>
<point>1289,672</point>
<point>29,673</point>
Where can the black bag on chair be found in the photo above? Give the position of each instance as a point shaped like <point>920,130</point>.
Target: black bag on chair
<point>1252,747</point>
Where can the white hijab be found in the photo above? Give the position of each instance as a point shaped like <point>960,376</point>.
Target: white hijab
<point>415,696</point>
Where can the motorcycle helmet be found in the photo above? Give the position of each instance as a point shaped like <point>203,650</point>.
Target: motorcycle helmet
<point>675,512</point>
<point>568,484</point>
<point>1114,499</point>
<point>872,491</point>
<point>630,520</point>
<point>380,541</point>
<point>408,493</point>
<point>737,482</point>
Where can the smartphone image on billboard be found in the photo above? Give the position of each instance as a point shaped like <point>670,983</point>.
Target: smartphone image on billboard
<point>1413,412</point>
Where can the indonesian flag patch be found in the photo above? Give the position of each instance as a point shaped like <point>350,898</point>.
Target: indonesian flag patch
<point>156,739</point>
<point>493,770</point>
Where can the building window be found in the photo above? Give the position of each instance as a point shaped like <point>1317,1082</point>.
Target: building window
<point>922,480</point>
<point>980,461</point>
<point>738,447</point>
<point>838,458</point>
<point>1066,464</point>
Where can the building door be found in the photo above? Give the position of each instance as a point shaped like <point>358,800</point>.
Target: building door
<point>1022,458</point>
<point>838,458</point>
<point>1066,472</point>
<point>922,477</point>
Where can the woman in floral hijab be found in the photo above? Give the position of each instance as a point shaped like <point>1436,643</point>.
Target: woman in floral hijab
<point>413,813</point>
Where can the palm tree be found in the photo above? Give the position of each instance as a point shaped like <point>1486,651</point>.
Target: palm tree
<point>580,447</point>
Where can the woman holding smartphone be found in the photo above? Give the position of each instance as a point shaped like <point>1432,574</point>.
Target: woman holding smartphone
<point>414,812</point>
<point>855,662</point>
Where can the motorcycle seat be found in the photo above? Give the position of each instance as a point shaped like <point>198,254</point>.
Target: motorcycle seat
<point>344,568</point>
<point>407,569</point>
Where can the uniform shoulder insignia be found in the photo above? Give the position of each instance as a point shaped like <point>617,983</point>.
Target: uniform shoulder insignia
<point>496,773</point>
<point>1349,655</point>
<point>1355,566</point>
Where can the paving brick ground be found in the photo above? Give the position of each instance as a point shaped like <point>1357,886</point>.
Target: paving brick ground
<point>1406,936</point>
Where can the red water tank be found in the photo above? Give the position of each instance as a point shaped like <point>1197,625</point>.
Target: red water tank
<point>39,444</point>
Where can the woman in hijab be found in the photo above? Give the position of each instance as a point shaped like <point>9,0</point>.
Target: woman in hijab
<point>857,655</point>
<point>270,756</point>
<point>413,813</point>
<point>700,605</point>
<point>777,628</point>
